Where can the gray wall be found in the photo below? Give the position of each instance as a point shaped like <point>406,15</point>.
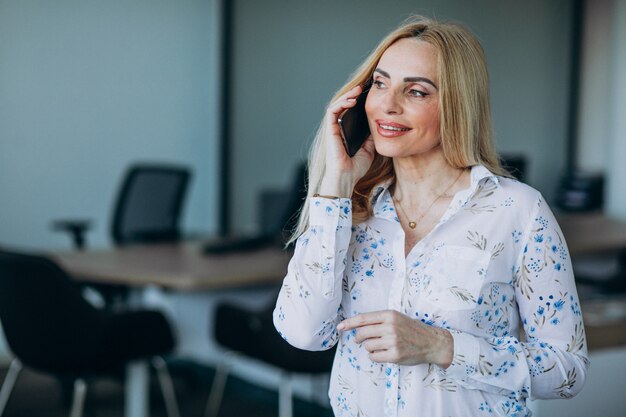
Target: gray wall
<point>616,195</point>
<point>86,87</point>
<point>290,56</point>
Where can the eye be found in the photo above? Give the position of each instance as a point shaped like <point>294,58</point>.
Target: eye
<point>378,84</point>
<point>413,92</point>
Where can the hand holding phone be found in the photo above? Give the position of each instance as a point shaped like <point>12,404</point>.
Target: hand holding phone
<point>353,125</point>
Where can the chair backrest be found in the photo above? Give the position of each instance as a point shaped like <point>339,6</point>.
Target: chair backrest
<point>46,321</point>
<point>279,208</point>
<point>149,204</point>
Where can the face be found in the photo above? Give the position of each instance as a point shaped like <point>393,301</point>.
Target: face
<point>403,103</point>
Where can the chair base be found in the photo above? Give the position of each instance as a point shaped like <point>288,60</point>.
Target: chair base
<point>78,401</point>
<point>285,389</point>
<point>80,388</point>
<point>9,382</point>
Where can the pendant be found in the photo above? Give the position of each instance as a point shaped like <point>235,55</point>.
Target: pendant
<point>412,225</point>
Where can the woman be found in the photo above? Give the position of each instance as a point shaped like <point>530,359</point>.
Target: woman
<point>421,258</point>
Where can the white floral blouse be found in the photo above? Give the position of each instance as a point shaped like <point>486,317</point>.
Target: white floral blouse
<point>495,263</point>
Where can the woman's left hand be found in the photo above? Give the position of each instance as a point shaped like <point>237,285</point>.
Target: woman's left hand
<point>390,336</point>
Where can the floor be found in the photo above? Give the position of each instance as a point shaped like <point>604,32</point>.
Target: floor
<point>37,395</point>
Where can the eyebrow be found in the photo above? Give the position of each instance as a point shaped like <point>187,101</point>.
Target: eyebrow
<point>407,79</point>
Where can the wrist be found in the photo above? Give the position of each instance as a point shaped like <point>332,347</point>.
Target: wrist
<point>444,349</point>
<point>337,186</point>
<point>327,196</point>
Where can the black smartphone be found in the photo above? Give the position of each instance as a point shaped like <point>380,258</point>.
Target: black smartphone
<point>353,125</point>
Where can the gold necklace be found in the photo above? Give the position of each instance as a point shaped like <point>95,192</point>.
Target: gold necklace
<point>413,224</point>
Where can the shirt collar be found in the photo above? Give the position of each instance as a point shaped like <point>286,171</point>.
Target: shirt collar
<point>382,202</point>
<point>480,173</point>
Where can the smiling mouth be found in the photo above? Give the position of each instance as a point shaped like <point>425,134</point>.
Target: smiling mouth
<point>394,128</point>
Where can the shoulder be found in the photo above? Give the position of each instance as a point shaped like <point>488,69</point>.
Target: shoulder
<point>523,193</point>
<point>501,188</point>
<point>518,201</point>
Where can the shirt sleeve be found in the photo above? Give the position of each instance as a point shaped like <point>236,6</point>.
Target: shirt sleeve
<point>309,301</point>
<point>551,360</point>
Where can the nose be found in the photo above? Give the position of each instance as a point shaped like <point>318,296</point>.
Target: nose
<point>390,103</point>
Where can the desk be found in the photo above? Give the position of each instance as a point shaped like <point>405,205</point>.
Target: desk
<point>183,267</point>
<point>180,267</point>
<point>589,233</point>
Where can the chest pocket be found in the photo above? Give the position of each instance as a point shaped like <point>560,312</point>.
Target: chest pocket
<point>456,277</point>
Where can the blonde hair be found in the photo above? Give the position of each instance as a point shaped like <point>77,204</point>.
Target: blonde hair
<point>465,116</point>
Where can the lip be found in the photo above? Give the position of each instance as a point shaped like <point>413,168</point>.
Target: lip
<point>389,133</point>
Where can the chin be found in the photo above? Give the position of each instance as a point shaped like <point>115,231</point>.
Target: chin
<point>390,150</point>
<point>397,148</point>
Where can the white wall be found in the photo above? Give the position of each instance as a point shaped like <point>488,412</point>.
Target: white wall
<point>86,87</point>
<point>291,56</point>
<point>602,112</point>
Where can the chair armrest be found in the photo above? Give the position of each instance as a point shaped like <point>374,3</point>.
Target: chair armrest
<point>75,227</point>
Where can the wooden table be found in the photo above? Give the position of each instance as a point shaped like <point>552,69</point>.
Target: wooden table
<point>184,267</point>
<point>590,233</point>
<point>180,267</point>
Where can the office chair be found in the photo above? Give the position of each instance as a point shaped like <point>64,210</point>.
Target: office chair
<point>252,334</point>
<point>147,208</point>
<point>277,216</point>
<point>50,328</point>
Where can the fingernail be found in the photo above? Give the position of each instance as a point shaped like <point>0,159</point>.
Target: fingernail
<point>341,326</point>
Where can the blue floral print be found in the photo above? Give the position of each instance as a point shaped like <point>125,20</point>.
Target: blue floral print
<point>495,272</point>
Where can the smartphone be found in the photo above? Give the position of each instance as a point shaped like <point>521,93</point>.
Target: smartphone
<point>353,125</point>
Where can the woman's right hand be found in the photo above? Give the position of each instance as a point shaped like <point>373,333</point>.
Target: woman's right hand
<point>342,172</point>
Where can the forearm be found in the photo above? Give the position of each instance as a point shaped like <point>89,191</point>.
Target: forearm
<point>505,365</point>
<point>308,303</point>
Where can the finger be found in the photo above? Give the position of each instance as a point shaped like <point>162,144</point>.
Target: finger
<point>345,101</point>
<point>382,356</point>
<point>363,319</point>
<point>339,106</point>
<point>352,93</point>
<point>368,332</point>
<point>375,344</point>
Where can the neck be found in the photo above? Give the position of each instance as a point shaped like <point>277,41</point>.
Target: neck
<point>419,179</point>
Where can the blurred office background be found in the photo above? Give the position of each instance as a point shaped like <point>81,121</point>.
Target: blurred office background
<point>87,87</point>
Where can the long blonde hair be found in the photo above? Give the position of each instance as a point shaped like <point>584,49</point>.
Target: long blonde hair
<point>465,116</point>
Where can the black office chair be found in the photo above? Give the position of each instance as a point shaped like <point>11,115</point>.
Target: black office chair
<point>277,216</point>
<point>147,209</point>
<point>251,333</point>
<point>50,328</point>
